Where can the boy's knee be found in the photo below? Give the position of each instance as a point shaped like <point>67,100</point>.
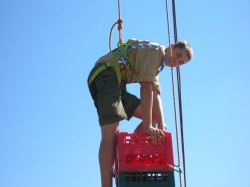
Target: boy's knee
<point>110,131</point>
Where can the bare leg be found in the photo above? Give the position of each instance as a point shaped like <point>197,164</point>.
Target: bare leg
<point>139,128</point>
<point>107,153</point>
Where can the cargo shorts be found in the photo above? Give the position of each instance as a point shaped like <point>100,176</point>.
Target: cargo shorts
<point>113,102</point>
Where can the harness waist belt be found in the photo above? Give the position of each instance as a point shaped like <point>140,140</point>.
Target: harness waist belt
<point>105,65</point>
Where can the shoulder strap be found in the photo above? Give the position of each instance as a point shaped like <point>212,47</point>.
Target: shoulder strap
<point>120,56</point>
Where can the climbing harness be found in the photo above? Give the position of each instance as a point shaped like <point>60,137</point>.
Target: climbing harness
<point>121,57</point>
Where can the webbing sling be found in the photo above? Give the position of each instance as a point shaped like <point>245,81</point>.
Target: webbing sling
<point>121,57</point>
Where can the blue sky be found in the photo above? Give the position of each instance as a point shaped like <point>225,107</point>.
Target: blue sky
<point>49,133</point>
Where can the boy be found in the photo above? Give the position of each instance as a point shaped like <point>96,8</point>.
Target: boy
<point>135,62</point>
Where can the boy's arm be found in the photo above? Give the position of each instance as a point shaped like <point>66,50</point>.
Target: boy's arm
<point>147,95</point>
<point>158,111</point>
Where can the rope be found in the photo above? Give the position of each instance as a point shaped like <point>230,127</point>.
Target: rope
<point>181,123</point>
<point>110,36</point>
<point>179,94</point>
<point>119,22</point>
<point>173,89</point>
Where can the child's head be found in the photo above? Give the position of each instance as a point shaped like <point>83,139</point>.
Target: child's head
<point>182,53</point>
<point>185,45</point>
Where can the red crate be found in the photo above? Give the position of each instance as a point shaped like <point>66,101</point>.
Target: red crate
<point>135,152</point>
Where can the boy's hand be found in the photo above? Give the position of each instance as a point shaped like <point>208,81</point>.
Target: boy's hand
<point>162,126</point>
<point>157,135</point>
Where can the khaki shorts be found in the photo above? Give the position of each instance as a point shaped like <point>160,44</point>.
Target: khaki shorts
<point>113,104</point>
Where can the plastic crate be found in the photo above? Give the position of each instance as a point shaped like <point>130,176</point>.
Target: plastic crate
<point>146,179</point>
<point>135,152</point>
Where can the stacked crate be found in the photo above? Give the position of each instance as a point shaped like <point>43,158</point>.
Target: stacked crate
<point>139,163</point>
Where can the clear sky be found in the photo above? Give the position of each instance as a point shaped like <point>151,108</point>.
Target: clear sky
<point>49,131</point>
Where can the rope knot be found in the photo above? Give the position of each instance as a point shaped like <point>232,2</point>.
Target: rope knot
<point>119,24</point>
